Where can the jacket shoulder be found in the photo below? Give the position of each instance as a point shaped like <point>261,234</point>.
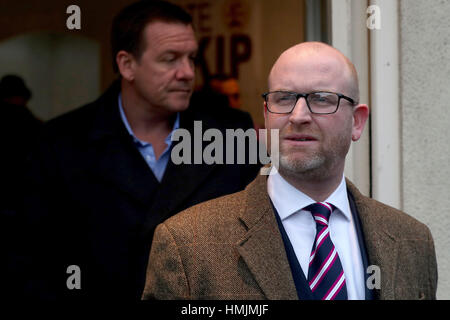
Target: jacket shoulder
<point>83,118</point>
<point>216,219</point>
<point>72,120</point>
<point>389,219</point>
<point>401,223</point>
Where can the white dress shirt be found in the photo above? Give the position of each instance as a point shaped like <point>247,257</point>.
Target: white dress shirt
<point>301,229</point>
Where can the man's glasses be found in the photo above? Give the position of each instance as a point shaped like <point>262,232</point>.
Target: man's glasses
<point>318,102</point>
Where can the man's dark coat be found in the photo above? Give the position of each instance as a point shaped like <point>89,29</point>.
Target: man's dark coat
<point>91,200</point>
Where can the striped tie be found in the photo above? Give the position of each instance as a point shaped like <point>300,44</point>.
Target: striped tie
<point>325,274</point>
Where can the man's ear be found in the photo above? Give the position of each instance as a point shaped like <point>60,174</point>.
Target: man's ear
<point>126,64</point>
<point>360,116</point>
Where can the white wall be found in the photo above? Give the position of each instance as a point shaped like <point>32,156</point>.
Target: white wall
<point>349,35</point>
<point>410,95</point>
<point>425,97</point>
<point>62,71</point>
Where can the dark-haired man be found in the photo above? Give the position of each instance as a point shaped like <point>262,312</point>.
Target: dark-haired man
<point>101,177</point>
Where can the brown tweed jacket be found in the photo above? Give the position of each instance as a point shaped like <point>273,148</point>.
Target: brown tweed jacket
<point>231,248</point>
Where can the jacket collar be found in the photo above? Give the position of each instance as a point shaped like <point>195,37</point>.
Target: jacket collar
<point>381,242</point>
<point>262,247</point>
<point>106,121</point>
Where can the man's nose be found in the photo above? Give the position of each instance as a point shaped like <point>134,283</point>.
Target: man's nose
<point>186,69</point>
<point>301,113</point>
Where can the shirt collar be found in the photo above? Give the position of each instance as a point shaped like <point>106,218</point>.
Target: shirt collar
<point>288,200</point>
<point>168,140</point>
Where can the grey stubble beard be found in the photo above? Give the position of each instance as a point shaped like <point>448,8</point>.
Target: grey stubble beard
<point>315,167</point>
<point>305,169</point>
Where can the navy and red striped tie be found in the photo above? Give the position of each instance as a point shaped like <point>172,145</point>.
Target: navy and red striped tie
<point>325,274</point>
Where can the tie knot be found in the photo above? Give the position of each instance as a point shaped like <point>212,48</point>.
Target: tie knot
<point>320,211</point>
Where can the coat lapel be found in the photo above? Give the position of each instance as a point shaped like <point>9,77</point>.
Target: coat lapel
<point>382,247</point>
<point>179,181</point>
<point>121,164</point>
<point>262,247</point>
<point>114,158</point>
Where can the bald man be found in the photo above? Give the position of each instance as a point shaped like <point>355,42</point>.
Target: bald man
<point>305,231</point>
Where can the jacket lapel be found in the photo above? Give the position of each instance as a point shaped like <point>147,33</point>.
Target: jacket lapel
<point>179,181</point>
<point>382,247</point>
<point>262,247</point>
<point>114,157</point>
<point>121,164</point>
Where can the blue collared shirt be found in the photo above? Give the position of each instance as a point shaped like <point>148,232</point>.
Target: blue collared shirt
<point>158,166</point>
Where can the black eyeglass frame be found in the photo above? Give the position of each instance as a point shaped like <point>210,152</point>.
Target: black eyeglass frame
<point>305,95</point>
